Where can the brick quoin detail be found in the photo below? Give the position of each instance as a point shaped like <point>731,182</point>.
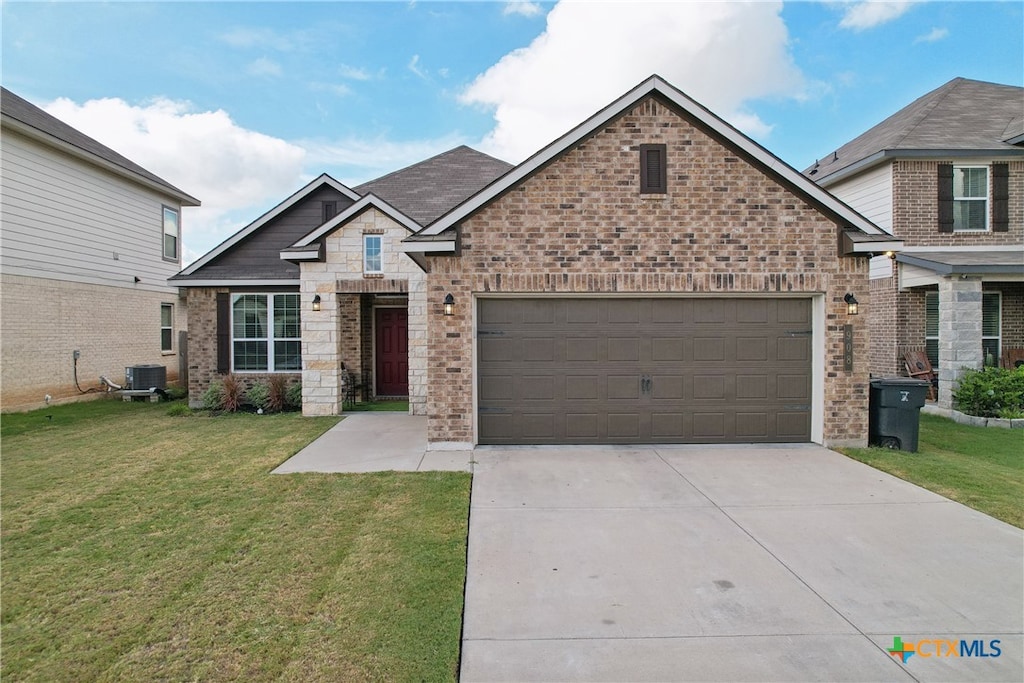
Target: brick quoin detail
<point>580,226</point>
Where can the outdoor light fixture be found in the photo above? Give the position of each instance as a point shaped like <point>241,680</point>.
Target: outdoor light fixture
<point>316,302</point>
<point>851,304</point>
<point>449,304</point>
<point>891,254</point>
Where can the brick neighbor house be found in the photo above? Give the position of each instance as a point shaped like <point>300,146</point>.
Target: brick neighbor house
<point>652,276</point>
<point>251,299</point>
<point>945,174</point>
<point>89,240</point>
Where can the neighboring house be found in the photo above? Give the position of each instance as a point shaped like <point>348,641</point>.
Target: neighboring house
<point>652,276</point>
<point>89,239</point>
<point>251,299</point>
<point>945,175</point>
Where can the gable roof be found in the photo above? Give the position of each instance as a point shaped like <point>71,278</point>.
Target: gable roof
<point>303,249</point>
<point>962,117</point>
<point>426,190</point>
<point>431,238</point>
<point>27,118</point>
<point>296,197</point>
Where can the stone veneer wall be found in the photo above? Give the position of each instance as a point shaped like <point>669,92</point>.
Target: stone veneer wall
<point>332,335</point>
<point>580,226</point>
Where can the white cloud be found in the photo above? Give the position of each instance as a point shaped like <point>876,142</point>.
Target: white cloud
<point>353,73</point>
<point>523,8</point>
<point>414,66</point>
<point>935,35</point>
<point>264,67</point>
<point>232,170</point>
<point>721,54</point>
<point>859,16</point>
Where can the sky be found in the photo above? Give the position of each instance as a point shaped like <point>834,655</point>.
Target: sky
<point>239,104</point>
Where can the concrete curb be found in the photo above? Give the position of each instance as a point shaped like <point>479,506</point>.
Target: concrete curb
<point>973,420</point>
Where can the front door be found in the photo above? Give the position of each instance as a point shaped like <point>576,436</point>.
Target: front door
<point>392,350</point>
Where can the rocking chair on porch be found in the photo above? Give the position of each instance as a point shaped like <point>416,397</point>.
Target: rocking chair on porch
<point>919,367</point>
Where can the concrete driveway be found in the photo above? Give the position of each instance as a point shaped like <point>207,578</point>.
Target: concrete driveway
<point>729,564</point>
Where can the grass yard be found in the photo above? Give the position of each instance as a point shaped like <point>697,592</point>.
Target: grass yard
<point>139,546</point>
<point>978,466</point>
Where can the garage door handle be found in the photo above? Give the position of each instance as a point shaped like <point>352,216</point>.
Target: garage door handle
<point>645,385</point>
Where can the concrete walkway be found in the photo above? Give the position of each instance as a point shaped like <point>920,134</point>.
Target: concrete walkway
<point>788,563</point>
<point>375,442</point>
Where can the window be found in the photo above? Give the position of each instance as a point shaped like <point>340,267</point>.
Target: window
<point>970,198</point>
<point>653,169</point>
<point>171,232</point>
<point>265,333</point>
<point>931,328</point>
<point>990,326</point>
<point>372,254</point>
<point>166,327</point>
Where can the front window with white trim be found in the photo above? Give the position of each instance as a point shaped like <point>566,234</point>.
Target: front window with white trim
<point>167,328</point>
<point>970,198</point>
<point>372,259</point>
<point>266,333</point>
<point>931,328</point>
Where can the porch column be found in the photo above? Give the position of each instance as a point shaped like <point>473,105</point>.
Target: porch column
<point>321,363</point>
<point>959,332</point>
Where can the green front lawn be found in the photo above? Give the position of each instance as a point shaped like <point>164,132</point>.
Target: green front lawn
<point>139,546</point>
<point>982,467</point>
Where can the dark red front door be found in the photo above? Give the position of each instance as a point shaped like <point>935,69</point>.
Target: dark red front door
<point>392,352</point>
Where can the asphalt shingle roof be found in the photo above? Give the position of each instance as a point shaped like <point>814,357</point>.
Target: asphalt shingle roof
<point>429,189</point>
<point>23,111</point>
<point>962,115</point>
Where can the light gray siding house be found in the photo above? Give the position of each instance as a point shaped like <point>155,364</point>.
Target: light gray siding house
<point>88,239</point>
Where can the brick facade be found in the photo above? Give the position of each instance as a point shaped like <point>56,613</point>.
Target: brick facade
<point>580,226</point>
<point>44,321</point>
<point>899,325</point>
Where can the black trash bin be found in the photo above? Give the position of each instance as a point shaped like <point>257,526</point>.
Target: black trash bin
<point>894,412</point>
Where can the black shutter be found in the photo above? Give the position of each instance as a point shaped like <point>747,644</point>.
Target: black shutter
<point>653,169</point>
<point>945,198</point>
<point>223,332</point>
<point>1000,198</point>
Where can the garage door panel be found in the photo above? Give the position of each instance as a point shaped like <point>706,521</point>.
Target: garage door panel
<point>644,370</point>
<point>539,349</point>
<point>709,349</point>
<point>583,425</point>
<point>584,349</point>
<point>752,425</point>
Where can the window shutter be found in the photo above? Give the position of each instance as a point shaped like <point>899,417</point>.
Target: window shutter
<point>945,198</point>
<point>223,332</point>
<point>1000,198</point>
<point>653,169</point>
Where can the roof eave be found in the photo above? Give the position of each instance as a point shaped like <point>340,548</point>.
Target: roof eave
<point>42,136</point>
<point>655,85</point>
<point>888,155</point>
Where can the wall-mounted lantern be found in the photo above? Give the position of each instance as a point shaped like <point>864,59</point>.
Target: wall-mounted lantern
<point>851,304</point>
<point>449,304</point>
<point>316,302</point>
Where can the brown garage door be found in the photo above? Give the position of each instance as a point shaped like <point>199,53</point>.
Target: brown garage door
<point>579,371</point>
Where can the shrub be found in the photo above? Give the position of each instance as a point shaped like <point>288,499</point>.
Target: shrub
<point>259,395</point>
<point>277,399</point>
<point>213,397</point>
<point>990,392</point>
<point>179,410</point>
<point>232,397</point>
<point>293,397</point>
<point>176,392</point>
